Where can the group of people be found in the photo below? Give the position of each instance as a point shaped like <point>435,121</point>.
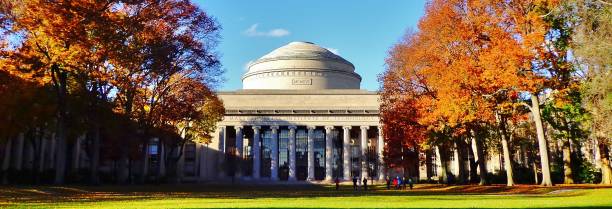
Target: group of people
<point>355,181</point>
<point>399,183</point>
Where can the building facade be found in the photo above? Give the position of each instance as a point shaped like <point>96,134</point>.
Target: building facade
<point>299,117</point>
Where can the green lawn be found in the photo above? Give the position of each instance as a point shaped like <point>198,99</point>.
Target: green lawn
<point>304,196</point>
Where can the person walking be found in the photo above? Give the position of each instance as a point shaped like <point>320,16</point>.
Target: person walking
<point>410,182</point>
<point>355,183</point>
<point>395,183</point>
<point>399,183</point>
<point>337,184</point>
<point>388,183</point>
<point>365,184</point>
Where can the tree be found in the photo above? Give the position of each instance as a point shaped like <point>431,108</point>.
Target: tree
<point>479,58</point>
<point>48,53</point>
<point>565,114</point>
<point>401,93</point>
<point>401,131</point>
<point>592,47</point>
<point>124,55</point>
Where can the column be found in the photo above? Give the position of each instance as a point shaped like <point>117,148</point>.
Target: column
<point>162,159</point>
<point>328,153</point>
<point>19,152</point>
<point>274,158</point>
<point>292,170</point>
<point>180,164</point>
<point>364,147</point>
<point>203,151</point>
<point>239,151</point>
<point>456,162</point>
<point>145,159</point>
<point>256,152</point>
<point>51,164</point>
<point>346,152</point>
<point>76,153</point>
<point>196,159</point>
<point>6,161</point>
<point>311,157</point>
<point>380,147</point>
<point>42,152</point>
<point>221,155</point>
<point>28,162</point>
<point>439,162</point>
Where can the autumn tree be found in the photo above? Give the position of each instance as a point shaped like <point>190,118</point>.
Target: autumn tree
<point>161,43</point>
<point>401,131</point>
<point>49,53</point>
<point>466,68</point>
<point>130,56</point>
<point>481,58</point>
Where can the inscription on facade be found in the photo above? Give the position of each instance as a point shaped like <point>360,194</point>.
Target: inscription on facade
<point>301,118</point>
<point>302,81</point>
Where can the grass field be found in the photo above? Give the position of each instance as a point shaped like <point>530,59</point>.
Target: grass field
<point>303,196</point>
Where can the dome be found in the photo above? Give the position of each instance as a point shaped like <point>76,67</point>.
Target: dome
<point>301,65</point>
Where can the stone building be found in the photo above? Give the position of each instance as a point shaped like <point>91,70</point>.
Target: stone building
<point>301,115</point>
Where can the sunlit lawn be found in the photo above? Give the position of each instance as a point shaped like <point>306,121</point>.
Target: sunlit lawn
<point>302,196</point>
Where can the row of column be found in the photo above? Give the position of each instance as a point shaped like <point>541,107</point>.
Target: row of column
<point>256,151</point>
<point>20,154</point>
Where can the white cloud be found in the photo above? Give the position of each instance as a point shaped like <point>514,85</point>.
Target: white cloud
<point>277,32</point>
<point>334,50</point>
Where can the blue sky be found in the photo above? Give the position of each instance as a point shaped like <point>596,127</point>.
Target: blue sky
<point>360,31</point>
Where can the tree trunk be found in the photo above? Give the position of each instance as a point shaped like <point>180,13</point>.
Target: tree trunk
<point>60,153</point>
<point>99,96</point>
<point>567,163</point>
<point>123,165</point>
<point>477,147</point>
<point>532,160</point>
<point>461,162</point>
<point>542,144</point>
<point>506,151</point>
<point>60,82</point>
<point>535,172</point>
<point>442,174</point>
<point>604,157</point>
<point>473,164</point>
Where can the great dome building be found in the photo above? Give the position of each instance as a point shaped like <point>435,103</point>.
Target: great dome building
<point>301,115</point>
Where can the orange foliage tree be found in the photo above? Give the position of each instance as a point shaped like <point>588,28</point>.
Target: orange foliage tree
<point>136,57</point>
<point>474,59</point>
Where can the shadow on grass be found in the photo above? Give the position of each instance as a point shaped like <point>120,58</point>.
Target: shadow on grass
<point>479,208</point>
<point>50,194</point>
<point>466,207</point>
